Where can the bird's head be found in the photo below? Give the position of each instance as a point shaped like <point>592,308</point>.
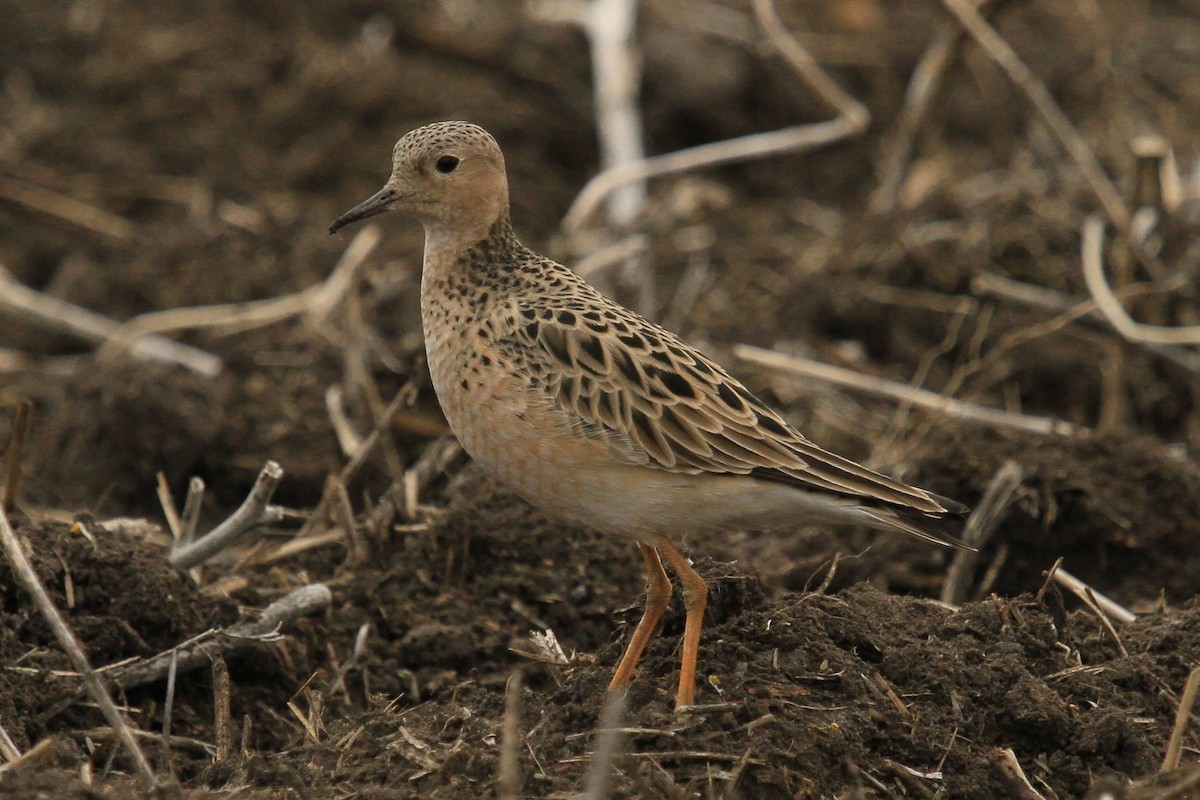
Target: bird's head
<point>449,175</point>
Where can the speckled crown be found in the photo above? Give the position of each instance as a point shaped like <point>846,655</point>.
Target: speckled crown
<point>444,134</point>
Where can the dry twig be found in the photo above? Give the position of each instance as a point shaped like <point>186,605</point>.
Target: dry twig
<point>1182,714</point>
<point>922,88</point>
<point>315,301</point>
<point>609,26</point>
<point>508,780</point>
<point>197,746</point>
<point>168,708</point>
<point>1103,605</point>
<point>1106,300</point>
<point>1040,297</point>
<point>616,68</point>
<point>625,249</point>
<point>404,396</point>
<point>66,208</point>
<point>1157,183</point>
<point>608,745</point>
<point>403,497</point>
<point>67,639</point>
<point>255,511</point>
<point>167,502</point>
<point>222,719</point>
<point>360,648</point>
<point>69,318</point>
<point>1008,60</point>
<point>31,757</point>
<point>8,748</point>
<point>343,429</point>
<point>1018,786</point>
<point>197,652</point>
<point>979,528</point>
<point>16,447</point>
<point>881,387</point>
<point>852,118</point>
<point>191,510</point>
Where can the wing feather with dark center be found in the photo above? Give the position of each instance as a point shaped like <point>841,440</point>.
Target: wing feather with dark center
<point>657,402</point>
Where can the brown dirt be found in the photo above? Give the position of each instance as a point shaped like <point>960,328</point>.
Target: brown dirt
<point>228,135</point>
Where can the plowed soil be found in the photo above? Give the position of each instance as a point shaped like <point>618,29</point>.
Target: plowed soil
<point>172,155</point>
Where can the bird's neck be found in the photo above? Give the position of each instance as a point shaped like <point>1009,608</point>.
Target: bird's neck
<point>461,270</point>
<point>454,249</point>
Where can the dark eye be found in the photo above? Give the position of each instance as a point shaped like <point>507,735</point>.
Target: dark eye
<point>446,164</point>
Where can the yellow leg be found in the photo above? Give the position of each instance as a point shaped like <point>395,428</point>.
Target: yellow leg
<point>658,595</point>
<point>695,598</point>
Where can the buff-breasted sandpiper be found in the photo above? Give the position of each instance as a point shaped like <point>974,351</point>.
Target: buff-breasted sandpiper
<point>591,412</point>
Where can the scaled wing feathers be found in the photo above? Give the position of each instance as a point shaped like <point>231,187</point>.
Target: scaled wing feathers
<point>658,402</point>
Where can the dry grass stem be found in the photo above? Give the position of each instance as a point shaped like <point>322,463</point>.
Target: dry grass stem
<point>1157,183</point>
<point>384,417</point>
<point>545,649</point>
<point>1092,256</point>
<point>222,720</point>
<point>191,511</point>
<point>1182,715</point>
<point>16,450</point>
<point>610,27</point>
<point>893,390</point>
<point>405,396</point>
<point>201,650</point>
<point>1015,782</point>
<point>66,208</point>
<point>343,512</point>
<point>180,743</point>
<point>1103,603</point>
<point>255,511</point>
<point>315,301</point>
<point>979,529</point>
<point>508,779</point>
<point>852,118</point>
<point>291,548</point>
<point>922,88</point>
<point>16,361</point>
<point>847,107</point>
<point>881,683</point>
<point>1088,596</point>
<point>1002,53</point>
<point>59,315</point>
<point>403,497</point>
<point>619,252</point>
<point>68,641</point>
<point>168,506</point>
<point>348,439</point>
<point>8,748</point>
<point>247,727</point>
<point>168,708</point>
<point>1040,297</point>
<point>697,277</point>
<point>742,148</point>
<point>609,745</point>
<point>34,756</point>
<point>328,295</point>
<point>360,649</point>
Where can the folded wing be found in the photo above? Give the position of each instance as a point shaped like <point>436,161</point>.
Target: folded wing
<point>657,402</point>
